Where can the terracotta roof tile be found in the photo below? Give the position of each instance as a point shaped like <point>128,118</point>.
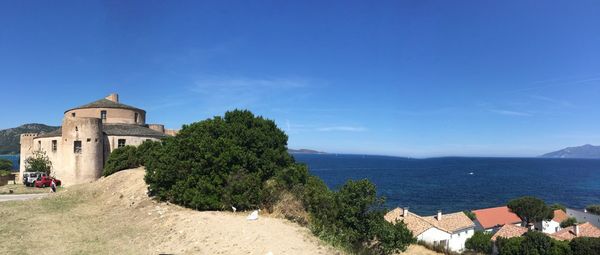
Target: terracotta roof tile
<point>508,231</point>
<point>497,216</point>
<point>559,216</point>
<point>451,222</point>
<point>585,229</point>
<point>413,222</point>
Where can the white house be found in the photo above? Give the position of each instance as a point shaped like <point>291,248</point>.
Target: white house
<point>449,230</point>
<point>584,216</point>
<point>553,225</point>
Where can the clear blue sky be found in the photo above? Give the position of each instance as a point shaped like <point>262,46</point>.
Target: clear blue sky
<point>407,78</point>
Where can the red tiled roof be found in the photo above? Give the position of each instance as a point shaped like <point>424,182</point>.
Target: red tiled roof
<point>559,216</point>
<point>508,231</point>
<point>497,216</point>
<point>568,233</point>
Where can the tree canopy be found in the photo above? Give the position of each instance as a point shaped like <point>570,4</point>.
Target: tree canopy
<point>531,209</point>
<point>6,164</point>
<point>38,162</point>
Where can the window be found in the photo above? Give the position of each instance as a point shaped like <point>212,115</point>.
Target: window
<point>121,143</point>
<point>89,140</point>
<point>73,114</point>
<point>54,145</point>
<point>39,145</point>
<point>136,117</point>
<point>77,147</point>
<point>103,116</point>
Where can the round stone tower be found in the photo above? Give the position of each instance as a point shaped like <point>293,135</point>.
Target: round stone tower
<point>82,150</point>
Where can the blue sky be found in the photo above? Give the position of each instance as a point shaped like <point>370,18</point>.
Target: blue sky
<point>406,78</point>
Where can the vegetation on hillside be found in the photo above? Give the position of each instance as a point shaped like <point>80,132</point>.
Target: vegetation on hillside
<point>595,209</point>
<point>571,221</point>
<point>10,138</point>
<point>38,162</point>
<point>5,167</point>
<point>241,160</point>
<point>480,242</point>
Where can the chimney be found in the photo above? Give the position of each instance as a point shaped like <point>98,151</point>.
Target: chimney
<point>405,212</point>
<point>113,97</point>
<point>439,215</point>
<point>576,229</point>
<point>584,210</point>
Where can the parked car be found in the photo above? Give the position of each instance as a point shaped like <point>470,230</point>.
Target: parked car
<point>45,181</point>
<point>29,178</point>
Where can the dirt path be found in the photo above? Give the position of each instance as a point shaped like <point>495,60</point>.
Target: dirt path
<point>4,198</point>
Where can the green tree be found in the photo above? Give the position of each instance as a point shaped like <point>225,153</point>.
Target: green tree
<point>595,209</point>
<point>480,242</point>
<point>568,222</point>
<point>585,245</point>
<point>509,246</point>
<point>470,214</point>
<point>121,159</point>
<point>6,164</point>
<point>38,162</point>
<point>558,207</point>
<point>147,151</point>
<point>536,243</point>
<point>530,209</point>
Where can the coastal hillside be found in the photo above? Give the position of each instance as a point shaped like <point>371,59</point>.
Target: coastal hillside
<point>9,138</point>
<point>305,151</point>
<point>584,151</point>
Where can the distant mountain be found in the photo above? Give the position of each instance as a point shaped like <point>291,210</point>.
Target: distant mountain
<point>584,151</point>
<point>9,138</point>
<point>305,151</point>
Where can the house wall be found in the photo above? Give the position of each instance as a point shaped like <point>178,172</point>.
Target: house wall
<point>458,239</point>
<point>113,115</point>
<point>548,227</point>
<point>86,165</point>
<point>433,236</point>
<point>45,144</point>
<point>584,216</point>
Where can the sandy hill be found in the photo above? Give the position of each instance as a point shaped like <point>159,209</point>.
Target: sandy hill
<point>115,216</point>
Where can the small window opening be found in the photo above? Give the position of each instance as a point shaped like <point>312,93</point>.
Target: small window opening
<point>39,145</point>
<point>72,114</point>
<point>77,147</point>
<point>54,146</point>
<point>96,140</point>
<point>76,128</point>
<point>89,140</point>
<point>121,143</point>
<point>136,117</point>
<point>103,116</point>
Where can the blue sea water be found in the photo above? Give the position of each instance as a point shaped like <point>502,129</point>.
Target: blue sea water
<point>428,185</point>
<point>14,159</point>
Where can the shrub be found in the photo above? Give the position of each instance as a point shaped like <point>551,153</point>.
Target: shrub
<point>536,242</point>
<point>568,222</point>
<point>509,246</point>
<point>480,242</point>
<point>241,160</point>
<point>585,245</point>
<point>470,214</point>
<point>558,207</point>
<point>38,162</point>
<point>6,164</point>
<point>146,151</point>
<point>4,173</point>
<point>595,209</point>
<point>121,159</point>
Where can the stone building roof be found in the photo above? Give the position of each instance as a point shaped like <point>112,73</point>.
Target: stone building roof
<point>449,222</point>
<point>117,130</point>
<point>585,230</point>
<point>560,215</point>
<point>131,130</point>
<point>508,231</point>
<point>105,103</point>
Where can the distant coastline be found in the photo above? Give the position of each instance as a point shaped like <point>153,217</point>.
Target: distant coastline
<point>305,151</point>
<point>14,158</point>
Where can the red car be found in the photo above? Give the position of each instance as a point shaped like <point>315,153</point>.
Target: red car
<point>46,181</point>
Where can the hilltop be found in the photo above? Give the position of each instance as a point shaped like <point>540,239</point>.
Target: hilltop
<point>305,151</point>
<point>9,138</point>
<point>584,151</point>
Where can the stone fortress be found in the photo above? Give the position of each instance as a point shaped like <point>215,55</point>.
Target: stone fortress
<point>89,133</point>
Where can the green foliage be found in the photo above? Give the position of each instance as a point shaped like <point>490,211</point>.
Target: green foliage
<point>585,245</point>
<point>6,164</point>
<point>558,207</point>
<point>147,151</point>
<point>241,160</point>
<point>4,173</point>
<point>568,222</point>
<point>470,214</point>
<point>530,209</point>
<point>509,246</point>
<point>480,242</point>
<point>595,209</point>
<point>121,159</point>
<point>38,162</point>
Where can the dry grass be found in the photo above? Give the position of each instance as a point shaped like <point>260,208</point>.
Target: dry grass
<point>22,189</point>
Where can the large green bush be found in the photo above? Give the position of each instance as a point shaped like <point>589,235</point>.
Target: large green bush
<point>121,159</point>
<point>571,221</point>
<point>480,242</point>
<point>147,151</point>
<point>585,246</point>
<point>595,209</point>
<point>509,246</point>
<point>6,164</point>
<point>241,160</point>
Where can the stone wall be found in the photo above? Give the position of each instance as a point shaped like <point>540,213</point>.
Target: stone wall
<point>113,115</point>
<point>27,148</point>
<point>84,165</point>
<point>113,141</point>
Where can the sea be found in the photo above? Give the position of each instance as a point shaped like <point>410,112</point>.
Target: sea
<point>453,184</point>
<point>14,159</point>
